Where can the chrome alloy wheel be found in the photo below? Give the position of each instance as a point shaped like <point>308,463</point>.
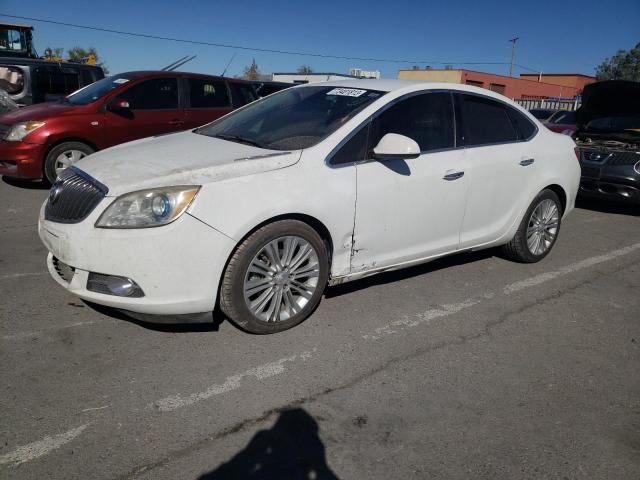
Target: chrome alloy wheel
<point>543,227</point>
<point>281,279</point>
<point>67,158</point>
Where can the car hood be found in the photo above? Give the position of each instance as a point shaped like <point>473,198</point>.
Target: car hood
<point>613,98</point>
<point>184,158</point>
<point>39,111</point>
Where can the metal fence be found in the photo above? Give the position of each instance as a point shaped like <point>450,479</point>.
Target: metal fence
<point>551,104</point>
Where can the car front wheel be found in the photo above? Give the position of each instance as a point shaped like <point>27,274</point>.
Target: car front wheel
<point>63,156</point>
<point>538,231</point>
<point>275,278</point>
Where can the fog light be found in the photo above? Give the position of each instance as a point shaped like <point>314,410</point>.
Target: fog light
<point>113,285</point>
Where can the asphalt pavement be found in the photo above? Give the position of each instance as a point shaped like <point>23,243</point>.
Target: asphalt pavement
<point>467,367</point>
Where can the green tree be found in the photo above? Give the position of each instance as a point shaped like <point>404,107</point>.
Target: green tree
<point>53,52</point>
<point>624,65</point>
<point>79,54</point>
<point>251,72</point>
<point>305,70</point>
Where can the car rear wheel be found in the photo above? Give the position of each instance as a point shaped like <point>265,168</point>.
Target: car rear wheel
<point>538,231</point>
<point>63,156</point>
<point>275,278</point>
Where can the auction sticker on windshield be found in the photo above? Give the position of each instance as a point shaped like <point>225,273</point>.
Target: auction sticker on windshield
<point>347,92</point>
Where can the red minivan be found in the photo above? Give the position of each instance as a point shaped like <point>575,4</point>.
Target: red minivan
<point>40,140</point>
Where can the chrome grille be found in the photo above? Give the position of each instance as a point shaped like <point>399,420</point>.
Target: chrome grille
<point>624,158</point>
<point>73,196</point>
<point>603,157</point>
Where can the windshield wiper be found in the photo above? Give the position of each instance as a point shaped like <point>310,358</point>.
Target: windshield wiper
<point>239,139</point>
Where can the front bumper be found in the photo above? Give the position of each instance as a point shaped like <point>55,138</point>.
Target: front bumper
<point>178,266</point>
<point>21,159</point>
<point>619,183</point>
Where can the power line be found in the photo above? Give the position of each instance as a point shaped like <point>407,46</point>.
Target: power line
<point>253,49</point>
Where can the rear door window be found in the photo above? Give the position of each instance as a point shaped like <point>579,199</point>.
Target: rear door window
<point>56,81</point>
<point>524,127</point>
<point>243,93</point>
<point>154,94</point>
<point>208,93</point>
<point>485,121</point>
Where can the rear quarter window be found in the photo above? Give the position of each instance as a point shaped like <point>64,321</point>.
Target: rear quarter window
<point>208,93</point>
<point>243,93</point>
<point>485,121</point>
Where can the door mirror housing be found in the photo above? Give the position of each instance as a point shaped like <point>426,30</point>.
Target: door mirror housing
<point>118,105</point>
<point>393,145</point>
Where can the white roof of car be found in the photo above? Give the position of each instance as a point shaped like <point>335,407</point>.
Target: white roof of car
<point>408,86</point>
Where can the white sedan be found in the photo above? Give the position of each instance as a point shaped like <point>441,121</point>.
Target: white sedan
<point>318,184</point>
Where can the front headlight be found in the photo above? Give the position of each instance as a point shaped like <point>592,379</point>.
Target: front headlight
<point>21,130</point>
<point>148,208</point>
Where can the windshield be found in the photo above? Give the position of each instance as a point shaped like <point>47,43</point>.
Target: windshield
<point>97,90</point>
<point>292,119</point>
<point>564,117</point>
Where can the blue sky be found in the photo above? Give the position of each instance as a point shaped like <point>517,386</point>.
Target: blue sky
<point>560,36</point>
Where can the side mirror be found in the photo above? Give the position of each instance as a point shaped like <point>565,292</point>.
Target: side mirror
<point>393,145</point>
<point>118,105</point>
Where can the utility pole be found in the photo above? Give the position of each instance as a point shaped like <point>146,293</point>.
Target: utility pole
<point>513,54</point>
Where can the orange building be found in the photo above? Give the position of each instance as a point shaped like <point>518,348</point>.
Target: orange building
<point>575,80</point>
<point>512,87</point>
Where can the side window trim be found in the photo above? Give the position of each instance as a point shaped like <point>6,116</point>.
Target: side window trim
<point>458,98</point>
<point>329,159</point>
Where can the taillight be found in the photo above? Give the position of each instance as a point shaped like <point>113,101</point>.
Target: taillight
<point>577,152</point>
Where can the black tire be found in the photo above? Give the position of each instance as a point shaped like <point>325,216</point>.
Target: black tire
<point>49,168</point>
<point>518,249</point>
<point>232,301</point>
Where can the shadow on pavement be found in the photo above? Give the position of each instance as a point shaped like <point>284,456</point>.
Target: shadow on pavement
<point>27,184</point>
<point>290,450</point>
<point>160,323</point>
<point>605,206</point>
<point>390,277</point>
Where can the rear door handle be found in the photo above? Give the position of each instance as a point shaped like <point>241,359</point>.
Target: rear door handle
<point>453,175</point>
<point>526,161</point>
<point>176,122</point>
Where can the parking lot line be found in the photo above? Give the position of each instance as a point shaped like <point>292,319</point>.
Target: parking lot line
<point>42,447</point>
<point>574,267</point>
<point>18,275</point>
<point>233,382</point>
<point>270,369</point>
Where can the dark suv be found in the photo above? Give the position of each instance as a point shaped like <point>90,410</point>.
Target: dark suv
<point>41,140</point>
<point>29,81</point>
<point>608,135</point>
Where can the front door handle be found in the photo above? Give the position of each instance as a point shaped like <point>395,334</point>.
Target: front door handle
<point>453,175</point>
<point>176,122</point>
<point>526,161</point>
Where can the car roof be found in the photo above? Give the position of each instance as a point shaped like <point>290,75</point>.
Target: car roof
<point>40,62</point>
<point>407,86</point>
<point>164,73</point>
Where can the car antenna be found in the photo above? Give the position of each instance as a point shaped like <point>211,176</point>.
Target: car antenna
<point>181,63</point>
<point>230,60</point>
<point>173,63</point>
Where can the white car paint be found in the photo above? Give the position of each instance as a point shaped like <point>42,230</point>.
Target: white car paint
<point>378,219</point>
